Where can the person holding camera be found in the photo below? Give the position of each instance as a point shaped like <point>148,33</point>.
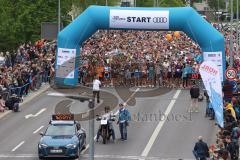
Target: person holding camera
<point>13,103</point>
<point>123,120</point>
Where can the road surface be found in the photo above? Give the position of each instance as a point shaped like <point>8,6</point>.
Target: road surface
<point>160,127</point>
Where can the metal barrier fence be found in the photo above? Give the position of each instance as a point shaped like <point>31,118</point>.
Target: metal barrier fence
<point>24,90</point>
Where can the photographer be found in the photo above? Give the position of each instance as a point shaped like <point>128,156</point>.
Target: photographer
<point>13,103</point>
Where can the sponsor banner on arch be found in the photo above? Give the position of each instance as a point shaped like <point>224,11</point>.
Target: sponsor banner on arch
<point>211,78</point>
<point>65,63</point>
<point>216,58</point>
<point>136,19</point>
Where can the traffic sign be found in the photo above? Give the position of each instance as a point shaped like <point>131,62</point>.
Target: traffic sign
<point>231,73</point>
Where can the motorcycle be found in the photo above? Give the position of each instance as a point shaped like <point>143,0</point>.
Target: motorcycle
<point>105,131</point>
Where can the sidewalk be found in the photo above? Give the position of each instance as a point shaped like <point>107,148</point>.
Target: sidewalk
<point>28,98</point>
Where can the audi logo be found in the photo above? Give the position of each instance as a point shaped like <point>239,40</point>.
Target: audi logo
<point>160,20</point>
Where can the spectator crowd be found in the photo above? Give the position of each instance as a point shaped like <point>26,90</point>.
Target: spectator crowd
<point>131,58</point>
<point>26,69</point>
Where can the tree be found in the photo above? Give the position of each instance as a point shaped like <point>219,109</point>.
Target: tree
<point>217,4</point>
<point>161,3</point>
<point>171,3</point>
<point>21,20</point>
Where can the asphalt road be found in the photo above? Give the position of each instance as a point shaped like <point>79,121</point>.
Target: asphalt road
<point>160,127</point>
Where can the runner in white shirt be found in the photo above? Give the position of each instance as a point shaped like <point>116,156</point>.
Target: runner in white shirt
<point>96,88</point>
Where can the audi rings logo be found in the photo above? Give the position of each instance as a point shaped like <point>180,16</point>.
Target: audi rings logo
<point>160,20</point>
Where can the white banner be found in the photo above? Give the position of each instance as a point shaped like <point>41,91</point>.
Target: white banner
<point>139,19</point>
<point>211,78</point>
<point>215,57</point>
<point>65,63</point>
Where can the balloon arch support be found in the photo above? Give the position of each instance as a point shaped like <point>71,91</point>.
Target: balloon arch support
<point>184,19</point>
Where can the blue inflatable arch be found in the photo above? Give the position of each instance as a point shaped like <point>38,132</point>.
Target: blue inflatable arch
<point>93,18</point>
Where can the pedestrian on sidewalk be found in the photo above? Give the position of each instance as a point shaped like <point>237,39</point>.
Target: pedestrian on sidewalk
<point>123,121</point>
<point>96,89</point>
<point>201,150</point>
<point>194,93</point>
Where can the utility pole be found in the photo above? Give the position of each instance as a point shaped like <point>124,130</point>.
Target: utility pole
<point>231,35</point>
<point>91,129</point>
<point>237,37</point>
<point>59,16</point>
<point>218,11</point>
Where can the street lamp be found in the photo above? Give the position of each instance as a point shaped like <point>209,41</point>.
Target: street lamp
<point>91,117</point>
<point>218,11</point>
<point>237,37</point>
<point>59,15</point>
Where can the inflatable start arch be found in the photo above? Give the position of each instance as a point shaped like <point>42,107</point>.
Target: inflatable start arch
<point>183,19</point>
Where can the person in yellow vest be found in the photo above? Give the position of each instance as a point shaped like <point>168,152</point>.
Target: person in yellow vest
<point>230,107</point>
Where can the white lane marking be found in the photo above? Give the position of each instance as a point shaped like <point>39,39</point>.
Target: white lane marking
<point>37,114</point>
<point>159,127</point>
<point>86,155</point>
<point>56,94</point>
<point>37,130</point>
<point>83,151</point>
<point>177,94</point>
<point>19,145</point>
<point>70,104</point>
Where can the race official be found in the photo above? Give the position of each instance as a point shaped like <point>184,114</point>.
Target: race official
<point>123,121</point>
<point>194,93</point>
<point>96,88</point>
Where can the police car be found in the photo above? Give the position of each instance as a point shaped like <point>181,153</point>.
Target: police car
<point>63,137</point>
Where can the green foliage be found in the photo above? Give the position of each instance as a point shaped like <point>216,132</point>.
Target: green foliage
<point>171,3</point>
<point>161,3</point>
<point>235,7</point>
<point>20,20</point>
<point>216,4</point>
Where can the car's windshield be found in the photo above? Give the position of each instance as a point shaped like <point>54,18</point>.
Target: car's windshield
<point>60,129</point>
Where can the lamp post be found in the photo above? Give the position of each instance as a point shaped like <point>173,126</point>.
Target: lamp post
<point>237,37</point>
<point>91,117</point>
<point>231,36</point>
<point>59,16</point>
<point>218,11</point>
